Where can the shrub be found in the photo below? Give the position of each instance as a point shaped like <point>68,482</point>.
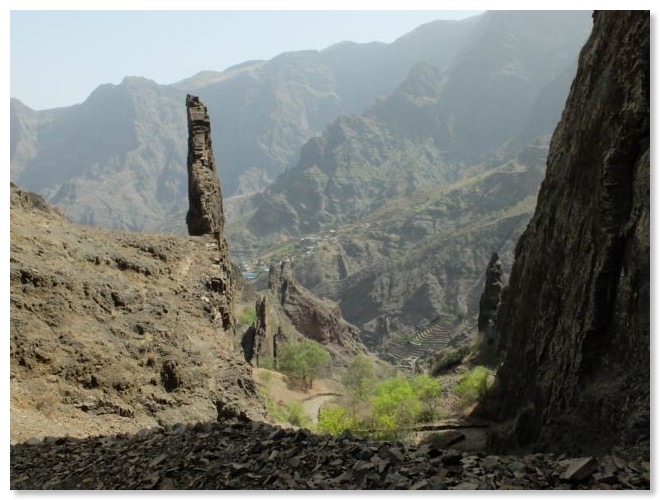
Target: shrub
<point>295,415</point>
<point>291,412</point>
<point>267,363</point>
<point>428,391</point>
<point>395,403</point>
<point>275,410</point>
<point>335,420</point>
<point>304,360</point>
<point>472,386</point>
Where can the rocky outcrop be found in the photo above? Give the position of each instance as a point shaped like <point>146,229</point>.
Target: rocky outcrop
<point>316,319</point>
<point>489,303</point>
<point>243,455</point>
<point>575,320</point>
<point>490,300</point>
<point>205,213</point>
<point>114,331</point>
<point>258,343</point>
<point>27,200</point>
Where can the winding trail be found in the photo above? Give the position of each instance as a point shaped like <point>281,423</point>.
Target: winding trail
<point>313,404</point>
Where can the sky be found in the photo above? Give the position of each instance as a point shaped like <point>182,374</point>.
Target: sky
<point>57,58</point>
<point>60,51</point>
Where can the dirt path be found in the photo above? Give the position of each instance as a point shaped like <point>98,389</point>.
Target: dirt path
<point>274,386</point>
<point>313,404</point>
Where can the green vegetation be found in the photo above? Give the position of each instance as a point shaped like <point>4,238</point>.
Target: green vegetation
<point>396,404</point>
<point>403,401</point>
<point>472,386</point>
<point>291,412</point>
<point>335,420</point>
<point>275,410</point>
<point>305,360</point>
<point>428,391</point>
<point>266,376</point>
<point>408,337</point>
<point>248,315</point>
<point>267,363</point>
<point>295,414</point>
<point>360,377</point>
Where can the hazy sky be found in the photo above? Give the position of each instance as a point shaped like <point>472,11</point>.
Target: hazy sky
<point>57,58</point>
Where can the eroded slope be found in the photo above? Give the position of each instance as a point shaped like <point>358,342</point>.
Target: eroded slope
<point>114,331</point>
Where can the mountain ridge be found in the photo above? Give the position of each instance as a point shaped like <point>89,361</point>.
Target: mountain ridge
<point>264,111</point>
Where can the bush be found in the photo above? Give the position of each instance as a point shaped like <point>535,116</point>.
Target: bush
<point>401,402</point>
<point>335,420</point>
<point>395,403</point>
<point>428,391</point>
<point>295,415</point>
<point>291,412</point>
<point>304,360</point>
<point>275,410</point>
<point>267,363</point>
<point>472,386</point>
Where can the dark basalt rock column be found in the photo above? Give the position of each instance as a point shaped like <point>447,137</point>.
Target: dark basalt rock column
<point>489,305</point>
<point>257,343</point>
<point>205,213</point>
<point>575,321</point>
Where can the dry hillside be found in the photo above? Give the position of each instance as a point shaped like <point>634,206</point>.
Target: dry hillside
<point>114,331</point>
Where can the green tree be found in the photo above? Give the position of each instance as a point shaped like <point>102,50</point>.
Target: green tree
<point>304,360</point>
<point>359,377</point>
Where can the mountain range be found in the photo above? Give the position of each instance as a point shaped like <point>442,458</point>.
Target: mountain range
<point>117,158</point>
<point>405,202</point>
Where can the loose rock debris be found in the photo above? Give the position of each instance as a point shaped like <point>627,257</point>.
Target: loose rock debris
<point>257,456</point>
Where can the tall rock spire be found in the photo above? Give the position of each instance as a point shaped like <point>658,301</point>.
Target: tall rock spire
<point>489,306</point>
<point>205,214</point>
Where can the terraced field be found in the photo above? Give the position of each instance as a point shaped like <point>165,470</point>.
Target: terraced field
<point>405,349</point>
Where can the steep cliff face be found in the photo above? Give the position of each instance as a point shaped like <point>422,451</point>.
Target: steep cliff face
<point>575,320</point>
<point>258,342</point>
